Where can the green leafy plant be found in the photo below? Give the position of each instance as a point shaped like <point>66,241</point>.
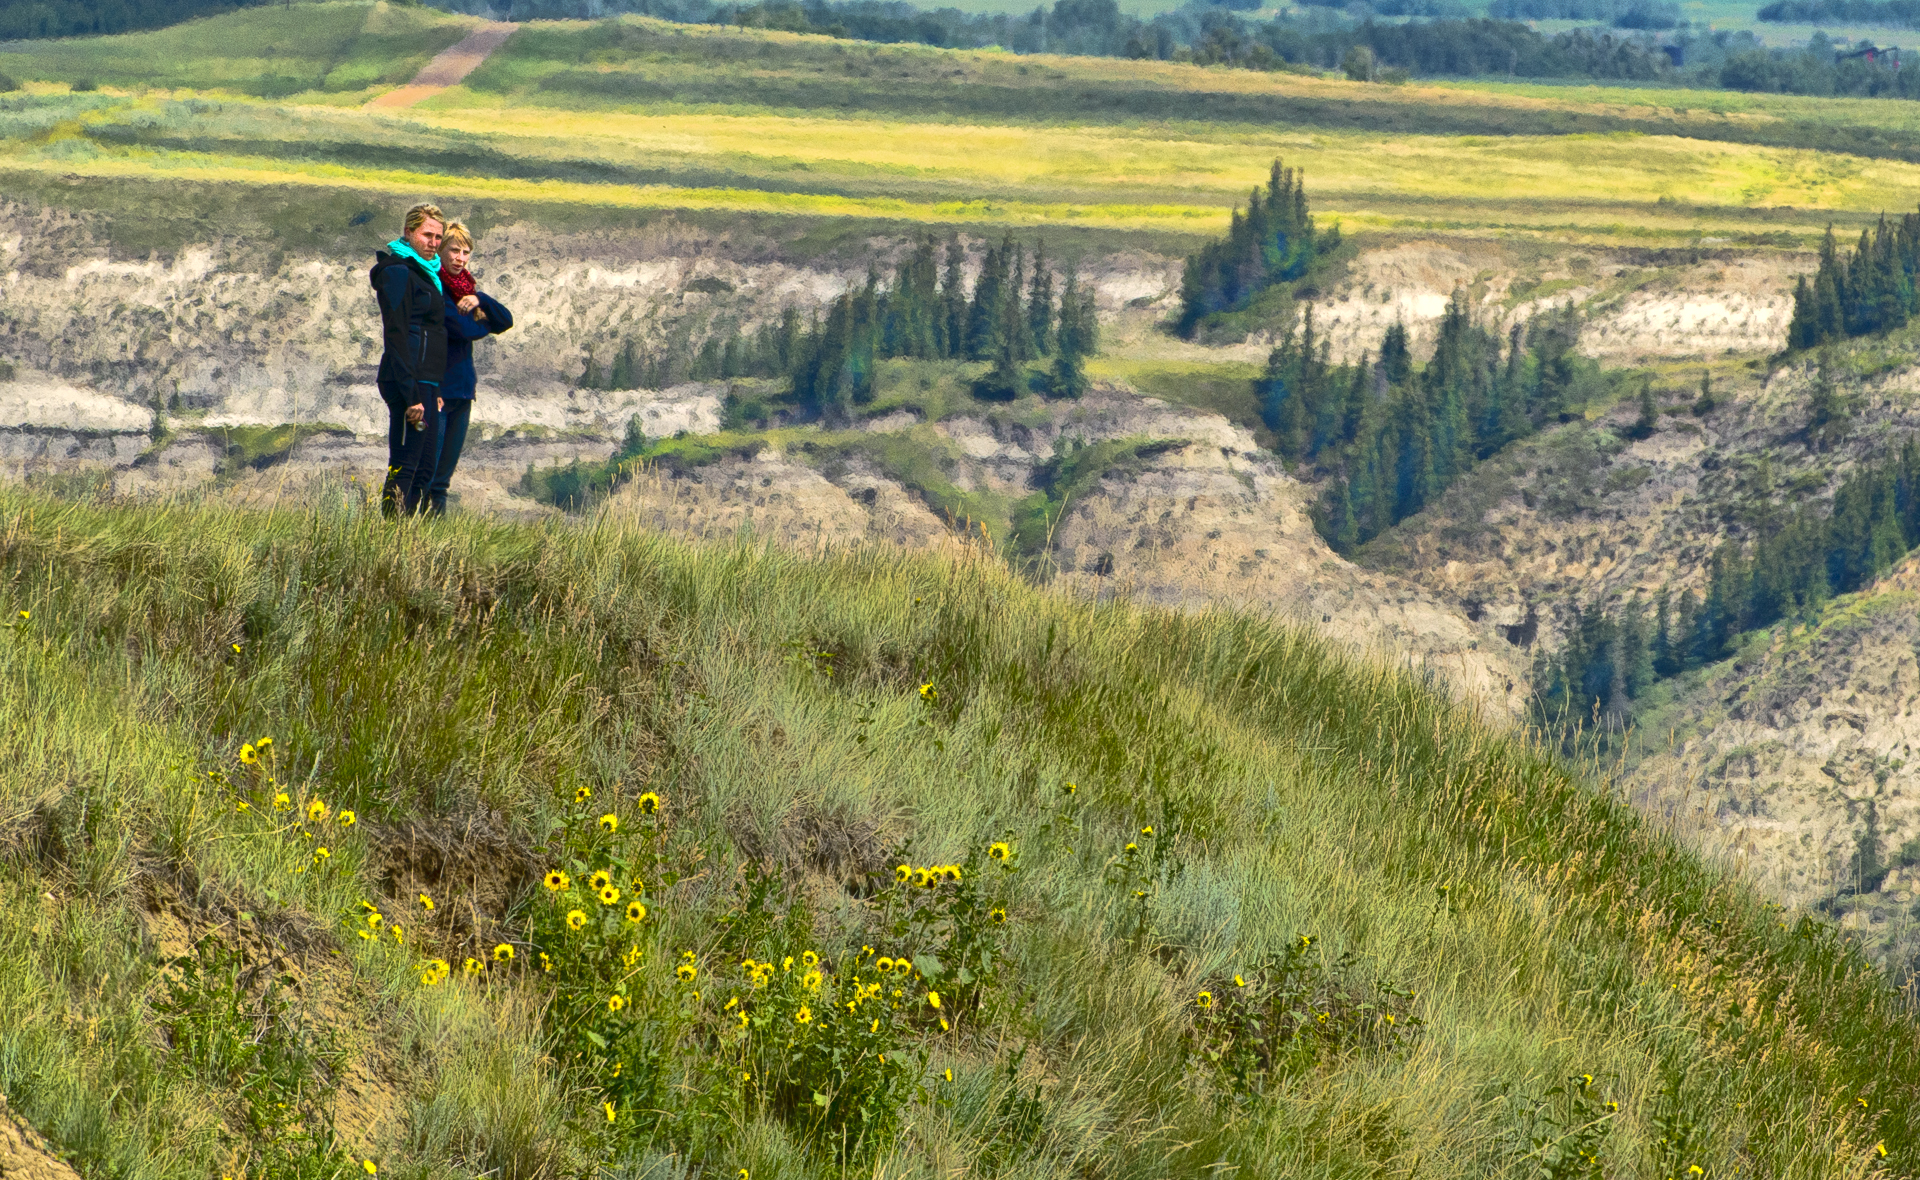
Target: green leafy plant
<point>228,1025</point>
<point>1291,1012</point>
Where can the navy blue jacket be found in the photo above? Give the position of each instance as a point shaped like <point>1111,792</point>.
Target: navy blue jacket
<point>412,327</point>
<point>462,331</point>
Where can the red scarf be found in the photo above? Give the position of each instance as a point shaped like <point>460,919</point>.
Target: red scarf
<point>458,286</point>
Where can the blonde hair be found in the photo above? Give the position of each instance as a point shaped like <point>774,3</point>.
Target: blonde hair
<point>419,214</point>
<point>457,234</point>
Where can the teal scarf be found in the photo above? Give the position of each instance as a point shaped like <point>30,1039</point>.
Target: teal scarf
<point>399,246</point>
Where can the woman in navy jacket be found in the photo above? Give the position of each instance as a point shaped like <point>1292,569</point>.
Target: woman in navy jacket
<point>471,316</point>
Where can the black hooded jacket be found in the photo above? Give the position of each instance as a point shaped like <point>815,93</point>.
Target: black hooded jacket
<point>413,326</point>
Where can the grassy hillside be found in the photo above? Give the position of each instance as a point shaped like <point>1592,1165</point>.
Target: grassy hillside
<point>1260,908</point>
<point>272,51</point>
<point>636,115</point>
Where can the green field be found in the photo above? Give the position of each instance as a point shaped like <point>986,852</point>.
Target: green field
<point>633,117</point>
<point>1344,841</point>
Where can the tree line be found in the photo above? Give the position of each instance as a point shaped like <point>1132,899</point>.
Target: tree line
<point>1869,290</point>
<point>1273,242</point>
<point>1009,316</point>
<point>1799,561</point>
<point>1843,12</point>
<point>1392,436</point>
<point>22,20</point>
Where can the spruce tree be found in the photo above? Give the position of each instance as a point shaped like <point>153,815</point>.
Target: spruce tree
<point>1827,412</point>
<point>953,298</point>
<point>1069,378</point>
<point>1705,403</point>
<point>1018,327</point>
<point>1040,302</point>
<point>1649,419</point>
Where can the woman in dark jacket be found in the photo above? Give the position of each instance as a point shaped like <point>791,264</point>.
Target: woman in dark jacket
<point>471,316</point>
<point>406,282</point>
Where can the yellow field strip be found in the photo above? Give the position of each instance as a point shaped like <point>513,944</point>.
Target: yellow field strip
<point>1373,170</point>
<point>183,166</point>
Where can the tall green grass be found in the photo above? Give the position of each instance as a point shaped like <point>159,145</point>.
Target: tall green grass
<point>465,676</point>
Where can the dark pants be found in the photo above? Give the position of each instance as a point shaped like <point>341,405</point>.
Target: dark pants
<point>411,451</point>
<point>453,436</point>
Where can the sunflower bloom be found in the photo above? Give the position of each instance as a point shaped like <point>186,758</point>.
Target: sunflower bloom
<point>554,881</point>
<point>803,1016</point>
<point>426,903</point>
<point>1239,982</point>
<point>399,935</point>
<point>1205,1000</point>
<point>583,794</point>
<point>576,919</point>
<point>809,959</point>
<point>600,880</point>
<point>636,912</point>
<point>811,981</point>
<point>609,822</point>
<point>616,1002</point>
<point>503,953</point>
<point>348,819</point>
<point>609,896</point>
<point>997,915</point>
<point>282,803</point>
<point>687,972</point>
<point>248,755</point>
<point>883,965</point>
<point>369,1167</point>
<point>901,873</point>
<point>933,999</point>
<point>608,1107</point>
<point>743,1018</point>
<point>999,850</point>
<point>316,811</point>
<point>649,803</point>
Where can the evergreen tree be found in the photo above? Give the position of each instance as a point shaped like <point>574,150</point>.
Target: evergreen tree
<point>1018,327</point>
<point>1705,403</point>
<point>953,298</point>
<point>1866,291</point>
<point>1273,242</point>
<point>1072,343</point>
<point>1649,419</point>
<point>1828,414</point>
<point>985,317</point>
<point>1040,303</point>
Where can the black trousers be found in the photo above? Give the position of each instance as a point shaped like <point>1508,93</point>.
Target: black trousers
<point>411,451</point>
<point>453,436</point>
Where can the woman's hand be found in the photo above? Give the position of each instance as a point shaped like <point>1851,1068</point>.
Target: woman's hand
<point>417,414</point>
<point>467,305</point>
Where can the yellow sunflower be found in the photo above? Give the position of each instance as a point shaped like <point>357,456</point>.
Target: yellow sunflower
<point>555,881</point>
<point>576,919</point>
